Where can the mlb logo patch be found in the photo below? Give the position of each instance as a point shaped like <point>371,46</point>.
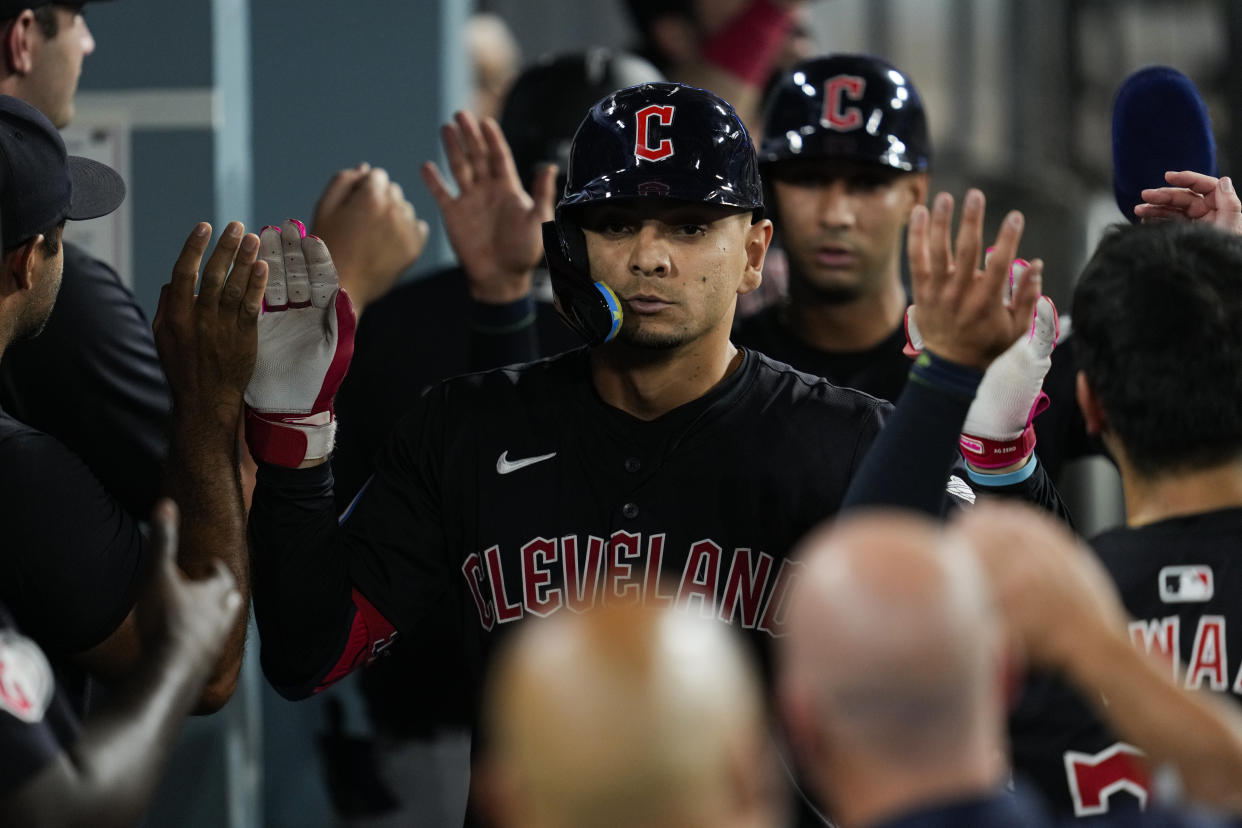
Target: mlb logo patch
<point>1186,584</point>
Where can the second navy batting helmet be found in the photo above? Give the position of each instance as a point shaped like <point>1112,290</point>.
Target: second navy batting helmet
<point>652,141</point>
<point>854,107</point>
<point>544,107</point>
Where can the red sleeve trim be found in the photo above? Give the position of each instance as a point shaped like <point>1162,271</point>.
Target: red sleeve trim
<point>370,634</point>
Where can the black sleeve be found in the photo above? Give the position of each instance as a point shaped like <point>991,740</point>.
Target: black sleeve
<point>502,334</point>
<point>305,565</point>
<point>917,449</point>
<point>299,577</point>
<point>73,557</point>
<point>93,380</point>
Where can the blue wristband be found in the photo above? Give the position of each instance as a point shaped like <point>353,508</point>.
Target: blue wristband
<point>1006,479</point>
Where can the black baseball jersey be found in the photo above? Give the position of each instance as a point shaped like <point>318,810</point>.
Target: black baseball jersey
<point>521,493</point>
<point>72,556</point>
<point>881,371</point>
<point>1180,580</point>
<point>36,722</point>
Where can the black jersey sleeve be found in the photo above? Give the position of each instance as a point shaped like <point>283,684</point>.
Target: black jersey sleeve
<point>93,380</point>
<point>300,580</point>
<point>915,452</point>
<point>72,555</point>
<point>305,565</point>
<point>502,334</point>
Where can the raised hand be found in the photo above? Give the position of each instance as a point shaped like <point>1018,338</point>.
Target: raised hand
<point>960,315</point>
<point>306,339</point>
<point>1193,196</point>
<point>493,224</point>
<point>208,341</point>
<point>371,229</point>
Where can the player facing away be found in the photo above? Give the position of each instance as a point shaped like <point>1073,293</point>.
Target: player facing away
<point>661,464</point>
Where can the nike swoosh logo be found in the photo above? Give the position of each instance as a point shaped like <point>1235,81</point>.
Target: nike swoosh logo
<point>504,465</point>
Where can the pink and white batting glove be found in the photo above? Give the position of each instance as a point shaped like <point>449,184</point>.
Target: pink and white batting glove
<point>998,431</point>
<point>306,339</point>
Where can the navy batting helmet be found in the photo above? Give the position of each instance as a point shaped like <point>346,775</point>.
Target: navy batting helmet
<point>855,107</point>
<point>655,140</point>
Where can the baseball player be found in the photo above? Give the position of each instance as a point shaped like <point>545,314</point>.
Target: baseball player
<point>1161,303</point>
<point>846,158</point>
<point>661,464</point>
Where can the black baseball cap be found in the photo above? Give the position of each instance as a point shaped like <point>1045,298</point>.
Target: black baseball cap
<point>43,184</point>
<point>12,8</point>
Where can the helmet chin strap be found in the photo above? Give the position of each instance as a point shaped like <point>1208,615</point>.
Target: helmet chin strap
<point>589,307</point>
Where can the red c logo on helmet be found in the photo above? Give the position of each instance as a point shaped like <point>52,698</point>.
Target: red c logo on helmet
<point>642,143</point>
<point>838,117</point>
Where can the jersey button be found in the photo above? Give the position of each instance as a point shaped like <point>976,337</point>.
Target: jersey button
<point>633,464</point>
<point>630,510</point>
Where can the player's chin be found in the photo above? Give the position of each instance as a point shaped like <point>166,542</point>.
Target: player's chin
<point>652,338</point>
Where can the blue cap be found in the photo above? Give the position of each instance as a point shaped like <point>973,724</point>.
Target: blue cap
<point>43,185</point>
<point>1160,123</point>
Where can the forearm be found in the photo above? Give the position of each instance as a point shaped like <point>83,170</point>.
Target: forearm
<point>909,462</point>
<point>302,591</point>
<point>1199,735</point>
<point>203,479</point>
<point>107,777</point>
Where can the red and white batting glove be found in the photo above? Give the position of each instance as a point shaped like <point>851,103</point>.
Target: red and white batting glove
<point>998,431</point>
<point>306,339</point>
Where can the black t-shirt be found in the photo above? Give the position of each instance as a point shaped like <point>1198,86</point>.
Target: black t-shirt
<point>93,380</point>
<point>1180,580</point>
<point>72,556</point>
<point>881,371</point>
<point>36,722</point>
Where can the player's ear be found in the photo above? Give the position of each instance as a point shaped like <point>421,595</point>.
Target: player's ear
<point>18,46</point>
<point>1089,404</point>
<point>758,237</point>
<point>917,185</point>
<point>19,267</point>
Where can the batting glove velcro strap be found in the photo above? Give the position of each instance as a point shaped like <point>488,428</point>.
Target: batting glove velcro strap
<point>306,339</point>
<point>290,442</point>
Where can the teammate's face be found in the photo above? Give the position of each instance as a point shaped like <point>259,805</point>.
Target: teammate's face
<point>841,224</point>
<point>676,268</point>
<point>57,64</point>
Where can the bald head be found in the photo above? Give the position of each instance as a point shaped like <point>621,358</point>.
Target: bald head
<point>892,656</point>
<point>626,716</point>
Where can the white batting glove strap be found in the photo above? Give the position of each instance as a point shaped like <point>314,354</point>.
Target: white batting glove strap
<point>290,442</point>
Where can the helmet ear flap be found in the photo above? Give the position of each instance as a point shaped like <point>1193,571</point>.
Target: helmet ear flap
<point>590,308</point>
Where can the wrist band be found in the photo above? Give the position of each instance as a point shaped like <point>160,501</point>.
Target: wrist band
<point>749,44</point>
<point>503,319</point>
<point>958,380</point>
<point>1007,479</point>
